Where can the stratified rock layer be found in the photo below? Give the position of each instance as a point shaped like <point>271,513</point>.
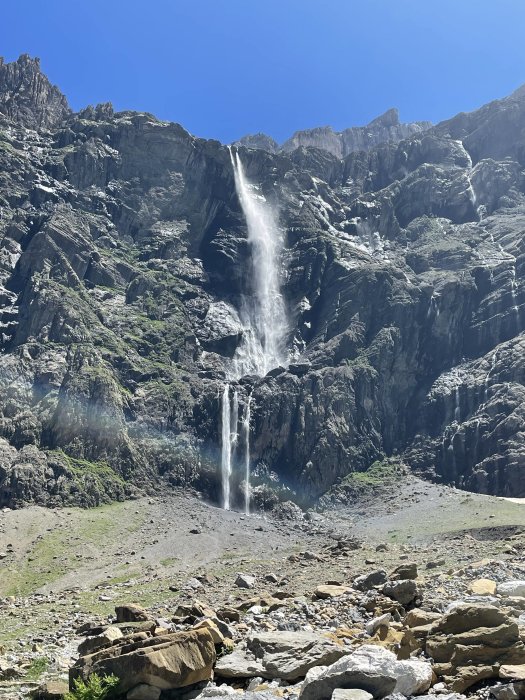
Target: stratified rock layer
<point>170,661</point>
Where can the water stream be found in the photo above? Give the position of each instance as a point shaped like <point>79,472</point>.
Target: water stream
<point>265,326</point>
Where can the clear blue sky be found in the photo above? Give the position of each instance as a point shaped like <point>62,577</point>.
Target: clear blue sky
<point>224,68</point>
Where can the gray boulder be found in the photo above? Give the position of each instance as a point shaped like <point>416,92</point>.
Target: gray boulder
<point>404,591</point>
<point>511,588</point>
<point>283,655</point>
<point>368,581</point>
<point>289,655</point>
<point>373,669</point>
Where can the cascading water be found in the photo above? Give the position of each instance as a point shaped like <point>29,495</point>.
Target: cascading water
<point>265,327</point>
<point>246,431</point>
<point>226,452</point>
<point>263,311</point>
<point>513,290</point>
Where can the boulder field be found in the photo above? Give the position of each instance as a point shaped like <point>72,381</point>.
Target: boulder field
<point>384,645</point>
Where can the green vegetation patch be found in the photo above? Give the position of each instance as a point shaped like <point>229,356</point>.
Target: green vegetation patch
<point>377,475</point>
<point>381,475</point>
<point>37,667</point>
<point>100,472</point>
<point>55,553</point>
<point>95,688</point>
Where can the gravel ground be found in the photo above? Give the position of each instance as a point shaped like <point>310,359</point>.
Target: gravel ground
<point>61,568</point>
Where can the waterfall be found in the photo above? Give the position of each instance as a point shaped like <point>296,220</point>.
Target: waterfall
<point>246,431</point>
<point>226,453</point>
<point>263,312</point>
<point>513,289</point>
<point>265,325</point>
<point>457,410</point>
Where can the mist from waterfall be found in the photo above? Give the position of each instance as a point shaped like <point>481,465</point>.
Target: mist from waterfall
<point>265,325</point>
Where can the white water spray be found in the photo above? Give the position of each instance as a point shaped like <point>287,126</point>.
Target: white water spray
<point>457,409</point>
<point>513,290</point>
<point>265,324</point>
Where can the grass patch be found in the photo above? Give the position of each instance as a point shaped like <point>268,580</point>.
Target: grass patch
<point>147,594</point>
<point>377,475</point>
<point>44,565</point>
<point>168,561</point>
<point>122,579</point>
<point>101,472</point>
<point>36,668</point>
<point>358,485</point>
<point>54,553</point>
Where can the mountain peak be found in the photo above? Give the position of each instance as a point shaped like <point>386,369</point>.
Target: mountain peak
<point>383,129</point>
<point>388,118</point>
<point>27,96</point>
<point>261,141</point>
<point>519,93</point>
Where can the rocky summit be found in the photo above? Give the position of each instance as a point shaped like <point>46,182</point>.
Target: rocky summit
<point>383,129</point>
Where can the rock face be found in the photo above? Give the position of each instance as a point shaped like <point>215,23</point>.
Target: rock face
<point>171,661</point>
<point>384,129</point>
<point>27,96</point>
<point>123,264</point>
<point>262,141</point>
<point>471,642</point>
<point>283,655</point>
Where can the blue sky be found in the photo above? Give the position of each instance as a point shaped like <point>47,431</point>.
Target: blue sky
<point>224,68</point>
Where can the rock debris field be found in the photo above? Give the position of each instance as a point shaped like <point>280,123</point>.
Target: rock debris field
<point>421,593</point>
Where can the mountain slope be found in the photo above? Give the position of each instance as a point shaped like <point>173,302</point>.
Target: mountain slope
<point>123,265</point>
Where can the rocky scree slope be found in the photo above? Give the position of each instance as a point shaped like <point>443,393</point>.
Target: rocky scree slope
<point>387,619</point>
<point>123,261</point>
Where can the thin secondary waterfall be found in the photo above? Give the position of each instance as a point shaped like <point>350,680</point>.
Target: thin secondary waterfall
<point>246,431</point>
<point>265,326</point>
<point>226,454</point>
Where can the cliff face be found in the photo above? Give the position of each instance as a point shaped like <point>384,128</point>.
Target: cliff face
<point>384,129</point>
<point>123,260</point>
